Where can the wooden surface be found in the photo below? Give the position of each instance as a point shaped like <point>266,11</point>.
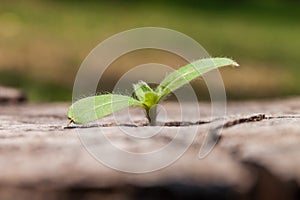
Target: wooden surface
<point>257,156</point>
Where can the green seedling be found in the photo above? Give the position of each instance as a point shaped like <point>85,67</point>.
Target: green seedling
<point>95,107</point>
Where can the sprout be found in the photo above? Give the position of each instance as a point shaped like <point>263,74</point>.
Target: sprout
<point>95,107</point>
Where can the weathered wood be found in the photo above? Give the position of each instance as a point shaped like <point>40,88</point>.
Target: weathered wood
<point>11,95</point>
<point>257,156</point>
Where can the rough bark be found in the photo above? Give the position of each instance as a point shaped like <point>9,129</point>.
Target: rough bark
<point>257,155</point>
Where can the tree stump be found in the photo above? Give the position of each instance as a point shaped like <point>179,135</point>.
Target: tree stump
<point>257,156</point>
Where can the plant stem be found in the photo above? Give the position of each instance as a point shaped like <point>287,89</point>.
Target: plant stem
<point>151,114</point>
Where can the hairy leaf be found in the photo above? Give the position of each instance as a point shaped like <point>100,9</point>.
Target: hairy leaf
<point>150,99</point>
<point>92,108</point>
<point>190,72</point>
<point>140,89</point>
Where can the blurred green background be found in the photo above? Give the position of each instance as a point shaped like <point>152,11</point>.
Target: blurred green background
<point>42,43</point>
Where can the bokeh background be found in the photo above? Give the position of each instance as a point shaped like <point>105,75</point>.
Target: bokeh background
<point>42,43</point>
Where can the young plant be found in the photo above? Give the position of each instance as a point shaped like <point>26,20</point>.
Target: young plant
<point>95,107</point>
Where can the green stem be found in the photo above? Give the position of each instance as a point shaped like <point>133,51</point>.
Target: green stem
<point>151,114</point>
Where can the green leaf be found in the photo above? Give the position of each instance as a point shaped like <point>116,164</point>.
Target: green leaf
<point>140,89</point>
<point>190,72</point>
<point>92,108</point>
<point>145,94</point>
<point>150,99</point>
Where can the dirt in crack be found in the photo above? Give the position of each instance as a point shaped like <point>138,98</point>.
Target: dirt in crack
<point>254,118</point>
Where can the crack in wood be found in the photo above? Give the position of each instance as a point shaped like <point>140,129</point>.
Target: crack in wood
<point>253,118</point>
